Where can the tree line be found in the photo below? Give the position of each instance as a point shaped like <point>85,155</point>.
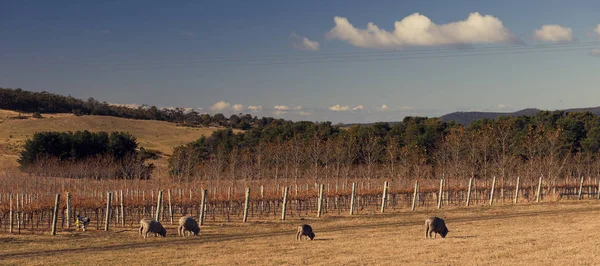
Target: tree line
<point>553,144</point>
<point>85,154</point>
<point>45,102</point>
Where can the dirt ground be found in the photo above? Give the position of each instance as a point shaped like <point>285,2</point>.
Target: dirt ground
<point>564,233</point>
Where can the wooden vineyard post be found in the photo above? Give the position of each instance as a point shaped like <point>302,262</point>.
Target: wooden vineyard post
<point>353,197</point>
<point>414,202</point>
<point>517,190</point>
<point>202,206</point>
<point>598,196</point>
<point>539,191</point>
<point>11,215</point>
<point>284,203</point>
<point>170,206</point>
<point>580,189</point>
<point>68,210</point>
<point>384,197</point>
<point>320,203</point>
<point>122,210</point>
<point>492,192</point>
<point>107,218</point>
<point>440,193</point>
<point>159,206</point>
<point>55,215</point>
<point>246,204</point>
<point>469,191</point>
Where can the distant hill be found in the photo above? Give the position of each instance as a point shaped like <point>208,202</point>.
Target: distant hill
<point>466,118</point>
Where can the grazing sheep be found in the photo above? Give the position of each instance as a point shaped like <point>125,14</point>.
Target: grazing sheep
<point>435,225</point>
<point>187,223</point>
<point>305,230</point>
<point>149,225</point>
<point>82,222</point>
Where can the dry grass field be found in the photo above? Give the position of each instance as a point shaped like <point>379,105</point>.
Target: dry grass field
<point>563,233</point>
<point>157,135</point>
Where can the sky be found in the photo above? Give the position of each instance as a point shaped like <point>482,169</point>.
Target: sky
<point>341,61</point>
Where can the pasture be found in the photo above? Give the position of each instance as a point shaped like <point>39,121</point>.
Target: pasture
<point>549,233</point>
<point>157,135</point>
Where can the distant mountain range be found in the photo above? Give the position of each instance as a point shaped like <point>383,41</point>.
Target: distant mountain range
<point>466,118</point>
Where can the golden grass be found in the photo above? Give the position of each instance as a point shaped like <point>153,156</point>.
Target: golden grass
<point>157,135</point>
<point>528,234</point>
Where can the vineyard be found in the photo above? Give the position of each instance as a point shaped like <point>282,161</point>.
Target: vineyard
<point>30,210</point>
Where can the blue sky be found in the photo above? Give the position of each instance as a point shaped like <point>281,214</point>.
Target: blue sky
<point>220,55</point>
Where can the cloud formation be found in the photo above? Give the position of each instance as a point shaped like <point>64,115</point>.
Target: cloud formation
<point>360,107</point>
<point>281,107</point>
<point>597,30</point>
<point>255,108</point>
<point>383,108</point>
<point>553,33</point>
<point>419,30</point>
<point>338,108</point>
<point>595,52</point>
<point>238,107</point>
<point>303,43</point>
<point>220,106</point>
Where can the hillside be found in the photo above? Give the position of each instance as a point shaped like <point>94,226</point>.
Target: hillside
<point>157,135</point>
<point>466,118</point>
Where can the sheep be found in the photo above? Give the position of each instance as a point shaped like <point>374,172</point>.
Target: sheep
<point>149,225</point>
<point>305,230</point>
<point>187,223</point>
<point>435,225</point>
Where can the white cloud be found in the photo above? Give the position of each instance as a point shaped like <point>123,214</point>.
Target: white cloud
<point>220,106</point>
<point>303,113</point>
<point>419,30</point>
<point>303,43</point>
<point>299,107</point>
<point>255,108</point>
<point>595,52</point>
<point>597,30</point>
<point>338,108</point>
<point>281,107</point>
<point>360,107</point>
<point>383,108</point>
<point>279,112</point>
<point>554,33</point>
<point>199,108</point>
<point>238,107</point>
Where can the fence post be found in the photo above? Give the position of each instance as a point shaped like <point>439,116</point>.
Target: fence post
<point>55,215</point>
<point>284,207</point>
<point>122,210</point>
<point>384,197</point>
<point>469,191</point>
<point>414,202</point>
<point>246,204</point>
<point>517,190</point>
<point>158,206</point>
<point>202,206</point>
<point>353,198</point>
<point>320,204</point>
<point>107,218</point>
<point>580,188</point>
<point>68,210</point>
<point>598,197</point>
<point>170,206</point>
<point>492,192</point>
<point>440,193</point>
<point>11,214</point>
<point>539,191</point>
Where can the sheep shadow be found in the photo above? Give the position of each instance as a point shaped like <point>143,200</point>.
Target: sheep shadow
<point>323,239</point>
